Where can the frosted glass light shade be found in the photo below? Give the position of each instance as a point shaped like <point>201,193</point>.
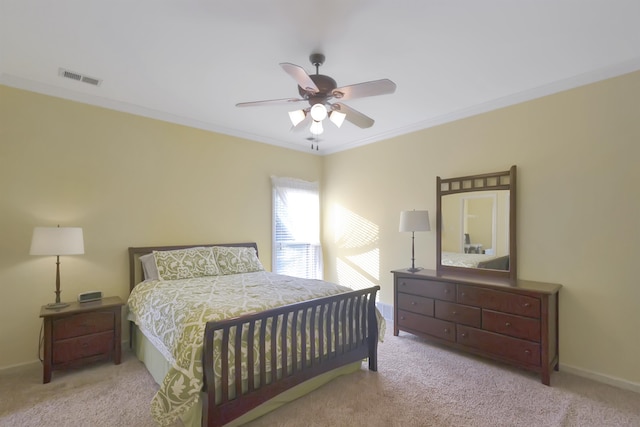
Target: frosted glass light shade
<point>296,116</point>
<point>57,241</point>
<point>414,221</point>
<point>316,128</point>
<point>319,112</point>
<point>337,118</point>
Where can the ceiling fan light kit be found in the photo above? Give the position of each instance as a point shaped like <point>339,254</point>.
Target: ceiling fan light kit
<point>318,90</point>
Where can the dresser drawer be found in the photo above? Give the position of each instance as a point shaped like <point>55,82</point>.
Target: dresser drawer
<point>499,345</point>
<point>500,301</point>
<point>428,325</point>
<point>458,313</point>
<point>415,304</point>
<point>427,288</point>
<point>83,324</point>
<point>509,324</point>
<point>85,346</point>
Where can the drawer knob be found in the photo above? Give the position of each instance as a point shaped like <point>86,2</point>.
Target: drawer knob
<point>403,284</point>
<point>526,304</point>
<point>446,330</point>
<point>413,303</point>
<point>507,324</point>
<point>464,335</point>
<point>454,312</point>
<point>401,317</point>
<point>461,294</point>
<point>446,291</point>
<point>527,352</point>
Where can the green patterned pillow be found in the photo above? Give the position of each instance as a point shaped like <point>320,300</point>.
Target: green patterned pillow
<point>186,263</point>
<point>234,260</point>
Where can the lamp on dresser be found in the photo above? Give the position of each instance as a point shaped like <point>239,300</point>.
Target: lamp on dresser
<point>412,221</point>
<point>56,241</point>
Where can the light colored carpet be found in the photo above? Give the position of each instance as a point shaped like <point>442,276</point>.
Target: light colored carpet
<point>417,384</point>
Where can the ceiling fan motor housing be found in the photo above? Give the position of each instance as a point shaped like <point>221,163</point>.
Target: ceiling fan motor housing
<point>325,84</point>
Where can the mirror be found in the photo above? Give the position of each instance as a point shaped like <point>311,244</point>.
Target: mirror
<point>476,223</point>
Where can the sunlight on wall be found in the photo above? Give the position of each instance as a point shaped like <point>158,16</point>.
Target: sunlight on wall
<point>358,257</point>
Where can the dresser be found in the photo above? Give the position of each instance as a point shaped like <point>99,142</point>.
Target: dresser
<point>81,333</point>
<point>511,323</point>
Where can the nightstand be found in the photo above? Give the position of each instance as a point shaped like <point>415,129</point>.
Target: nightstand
<point>81,333</point>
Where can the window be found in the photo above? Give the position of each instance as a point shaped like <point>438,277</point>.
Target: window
<point>296,228</point>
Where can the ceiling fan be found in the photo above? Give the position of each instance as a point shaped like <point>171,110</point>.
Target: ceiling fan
<point>318,90</point>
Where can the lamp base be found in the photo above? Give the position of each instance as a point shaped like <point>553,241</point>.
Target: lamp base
<point>56,305</point>
<point>414,269</point>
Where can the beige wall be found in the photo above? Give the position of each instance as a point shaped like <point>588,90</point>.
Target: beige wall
<point>578,158</point>
<point>128,181</point>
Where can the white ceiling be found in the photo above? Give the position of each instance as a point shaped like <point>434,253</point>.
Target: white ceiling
<point>190,61</point>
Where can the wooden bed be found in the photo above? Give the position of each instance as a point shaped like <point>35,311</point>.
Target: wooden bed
<point>351,332</point>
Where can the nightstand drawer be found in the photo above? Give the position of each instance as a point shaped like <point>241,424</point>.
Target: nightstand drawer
<point>427,288</point>
<point>501,301</point>
<point>86,346</point>
<point>509,324</point>
<point>415,304</point>
<point>428,325</point>
<point>83,324</point>
<point>458,313</point>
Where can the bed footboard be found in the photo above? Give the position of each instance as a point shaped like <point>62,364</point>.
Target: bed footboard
<point>291,344</point>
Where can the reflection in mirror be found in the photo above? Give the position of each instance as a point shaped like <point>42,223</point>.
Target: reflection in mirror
<point>476,225</point>
<point>475,229</point>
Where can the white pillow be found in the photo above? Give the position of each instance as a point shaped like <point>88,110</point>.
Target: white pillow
<point>149,267</point>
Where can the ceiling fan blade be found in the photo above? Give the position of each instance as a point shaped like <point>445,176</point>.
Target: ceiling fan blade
<point>270,102</point>
<point>300,75</point>
<point>360,90</point>
<point>354,116</point>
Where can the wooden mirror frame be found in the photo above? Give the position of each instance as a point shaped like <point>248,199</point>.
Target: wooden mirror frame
<point>474,183</point>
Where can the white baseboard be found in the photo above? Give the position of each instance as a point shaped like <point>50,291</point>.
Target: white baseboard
<point>19,365</point>
<point>601,378</point>
<point>386,310</point>
<point>387,313</point>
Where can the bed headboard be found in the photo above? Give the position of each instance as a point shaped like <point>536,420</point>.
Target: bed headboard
<point>135,267</point>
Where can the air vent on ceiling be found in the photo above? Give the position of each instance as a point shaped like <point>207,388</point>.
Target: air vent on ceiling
<point>79,77</point>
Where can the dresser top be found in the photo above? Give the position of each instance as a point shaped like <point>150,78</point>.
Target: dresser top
<point>524,285</point>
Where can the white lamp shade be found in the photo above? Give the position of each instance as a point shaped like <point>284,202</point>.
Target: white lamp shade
<point>57,241</point>
<point>296,116</point>
<point>319,112</point>
<point>337,118</point>
<point>316,128</point>
<point>414,221</point>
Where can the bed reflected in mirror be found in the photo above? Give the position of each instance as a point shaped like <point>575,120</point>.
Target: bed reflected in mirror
<point>476,224</point>
<point>475,230</point>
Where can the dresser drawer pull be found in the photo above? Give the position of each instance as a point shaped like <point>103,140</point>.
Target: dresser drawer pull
<point>403,284</point>
<point>401,317</point>
<point>413,303</point>
<point>446,291</point>
<point>85,344</point>
<point>461,294</point>
<point>464,335</point>
<point>527,352</point>
<point>446,330</point>
<point>526,304</point>
<point>453,313</point>
<point>507,324</point>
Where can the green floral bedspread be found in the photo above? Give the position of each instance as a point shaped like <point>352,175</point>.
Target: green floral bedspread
<point>173,314</point>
